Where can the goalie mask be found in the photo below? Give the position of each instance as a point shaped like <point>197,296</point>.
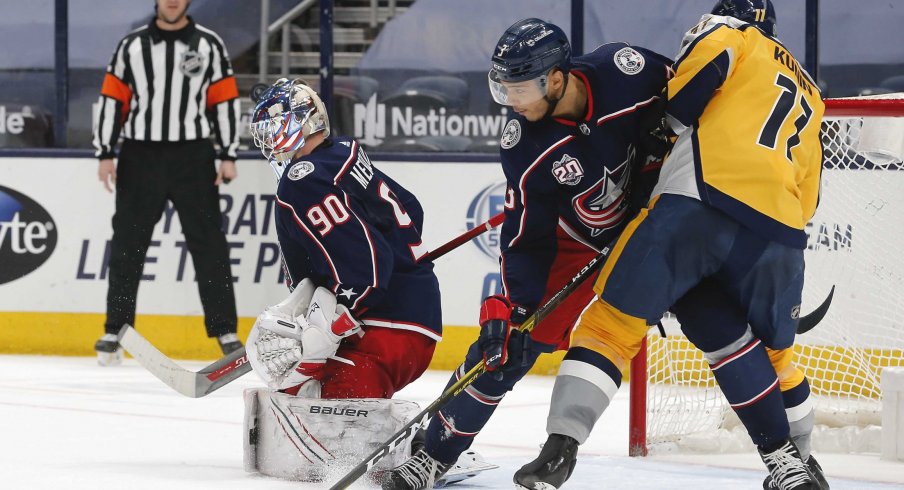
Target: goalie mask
<point>286,115</point>
<point>523,58</point>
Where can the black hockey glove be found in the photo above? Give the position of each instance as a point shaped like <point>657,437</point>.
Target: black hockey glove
<point>656,138</point>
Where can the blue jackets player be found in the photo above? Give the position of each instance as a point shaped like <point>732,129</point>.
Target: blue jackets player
<point>365,310</point>
<point>570,175</point>
<point>573,153</point>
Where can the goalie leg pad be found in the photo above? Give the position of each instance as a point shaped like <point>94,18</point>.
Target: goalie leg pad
<point>316,439</point>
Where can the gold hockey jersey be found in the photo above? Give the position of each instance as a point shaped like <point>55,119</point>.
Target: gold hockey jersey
<point>748,118</point>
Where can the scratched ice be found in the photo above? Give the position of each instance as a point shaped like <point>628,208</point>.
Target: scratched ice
<point>68,423</point>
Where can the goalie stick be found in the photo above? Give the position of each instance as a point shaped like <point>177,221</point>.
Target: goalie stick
<point>189,383</point>
<point>399,438</point>
<point>235,364</point>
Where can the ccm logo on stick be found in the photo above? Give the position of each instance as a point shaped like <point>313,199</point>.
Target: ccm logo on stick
<point>351,412</point>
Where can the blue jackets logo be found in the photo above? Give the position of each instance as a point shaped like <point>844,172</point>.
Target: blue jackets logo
<point>28,235</point>
<point>602,206</point>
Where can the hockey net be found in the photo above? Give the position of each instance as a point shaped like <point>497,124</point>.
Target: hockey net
<point>854,243</point>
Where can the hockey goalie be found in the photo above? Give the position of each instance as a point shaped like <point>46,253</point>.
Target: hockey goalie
<point>363,316</point>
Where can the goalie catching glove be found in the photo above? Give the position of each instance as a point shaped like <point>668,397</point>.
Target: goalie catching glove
<point>291,341</point>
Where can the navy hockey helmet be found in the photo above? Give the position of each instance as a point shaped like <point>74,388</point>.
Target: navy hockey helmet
<point>760,13</point>
<point>527,51</point>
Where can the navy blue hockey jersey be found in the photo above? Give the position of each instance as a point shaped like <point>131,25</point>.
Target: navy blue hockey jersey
<point>349,227</point>
<point>575,174</point>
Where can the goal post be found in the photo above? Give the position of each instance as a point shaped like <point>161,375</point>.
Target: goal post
<point>855,241</point>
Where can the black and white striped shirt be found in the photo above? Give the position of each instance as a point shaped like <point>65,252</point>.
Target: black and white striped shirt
<point>169,86</point>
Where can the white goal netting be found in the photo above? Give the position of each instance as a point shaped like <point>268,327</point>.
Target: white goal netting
<point>856,242</point>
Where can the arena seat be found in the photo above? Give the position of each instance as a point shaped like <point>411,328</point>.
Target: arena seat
<point>893,84</point>
<point>25,126</point>
<point>431,92</point>
<point>873,91</point>
<point>427,144</point>
<point>348,91</point>
<point>486,145</point>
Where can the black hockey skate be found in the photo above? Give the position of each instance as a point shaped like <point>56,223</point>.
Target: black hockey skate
<point>552,467</point>
<point>420,471</point>
<point>229,342</point>
<point>109,352</point>
<point>815,469</point>
<point>787,469</point>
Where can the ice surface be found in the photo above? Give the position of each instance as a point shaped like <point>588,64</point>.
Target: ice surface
<point>69,424</point>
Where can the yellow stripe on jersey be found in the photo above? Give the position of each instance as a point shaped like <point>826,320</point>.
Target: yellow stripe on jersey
<point>619,246</point>
<point>757,151</point>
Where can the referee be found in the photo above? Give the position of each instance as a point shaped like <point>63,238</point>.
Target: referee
<point>168,88</point>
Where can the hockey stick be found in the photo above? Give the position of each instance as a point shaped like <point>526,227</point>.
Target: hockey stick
<point>403,434</point>
<point>234,365</point>
<point>189,383</point>
<point>807,322</point>
<point>464,237</point>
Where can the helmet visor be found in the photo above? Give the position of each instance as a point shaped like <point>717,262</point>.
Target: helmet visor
<point>517,93</point>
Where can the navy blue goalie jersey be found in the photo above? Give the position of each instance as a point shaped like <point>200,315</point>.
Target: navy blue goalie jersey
<point>575,175</point>
<point>349,227</point>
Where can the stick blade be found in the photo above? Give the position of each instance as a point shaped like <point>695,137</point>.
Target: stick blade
<point>807,322</point>
<point>222,372</point>
<point>158,363</point>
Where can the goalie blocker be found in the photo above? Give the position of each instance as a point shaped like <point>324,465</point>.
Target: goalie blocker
<point>309,439</point>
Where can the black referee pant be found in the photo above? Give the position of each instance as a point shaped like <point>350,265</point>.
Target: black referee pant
<point>147,175</point>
